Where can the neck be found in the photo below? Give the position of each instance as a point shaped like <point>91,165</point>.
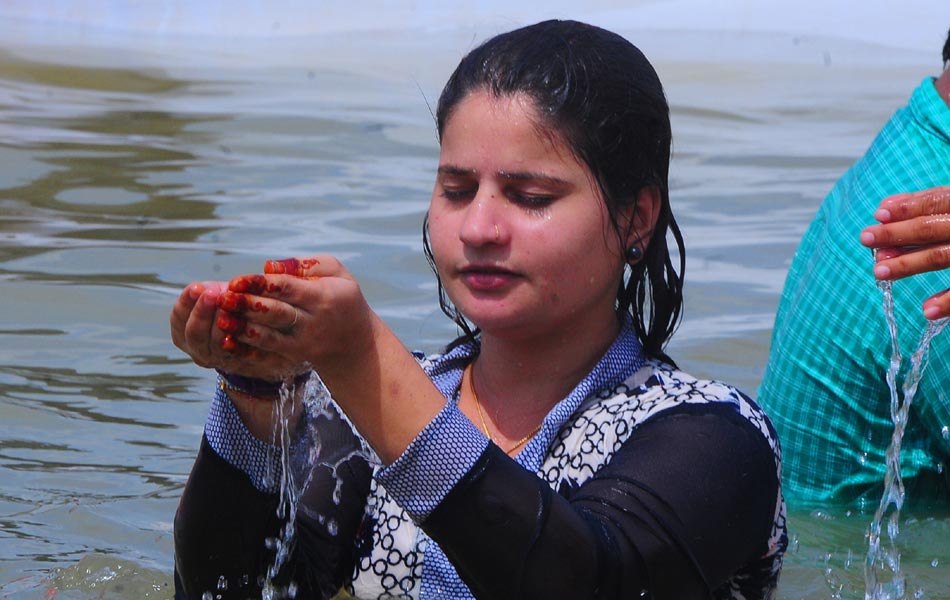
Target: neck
<point>537,372</point>
<point>943,86</point>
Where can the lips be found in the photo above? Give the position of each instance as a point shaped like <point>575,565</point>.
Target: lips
<point>486,278</point>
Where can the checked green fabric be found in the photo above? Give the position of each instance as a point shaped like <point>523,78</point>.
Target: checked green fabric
<point>824,385</point>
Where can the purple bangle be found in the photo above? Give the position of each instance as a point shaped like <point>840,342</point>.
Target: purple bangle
<point>259,388</point>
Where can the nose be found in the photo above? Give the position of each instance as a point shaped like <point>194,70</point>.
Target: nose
<point>484,223</point>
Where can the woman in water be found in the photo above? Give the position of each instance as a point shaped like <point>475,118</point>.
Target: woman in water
<point>552,451</point>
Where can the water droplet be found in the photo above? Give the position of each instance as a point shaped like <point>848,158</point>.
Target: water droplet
<point>863,458</point>
<point>222,583</point>
<point>945,432</point>
<point>207,596</point>
<point>935,563</point>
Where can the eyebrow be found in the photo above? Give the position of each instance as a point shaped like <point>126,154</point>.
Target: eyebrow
<point>509,175</point>
<point>453,170</point>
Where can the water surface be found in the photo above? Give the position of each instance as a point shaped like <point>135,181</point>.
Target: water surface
<point>130,168</point>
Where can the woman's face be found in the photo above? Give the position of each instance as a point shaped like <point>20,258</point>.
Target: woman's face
<point>521,237</point>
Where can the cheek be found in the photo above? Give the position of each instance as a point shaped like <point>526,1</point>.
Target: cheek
<point>440,236</point>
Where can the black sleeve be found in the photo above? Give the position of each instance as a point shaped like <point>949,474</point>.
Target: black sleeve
<point>223,521</point>
<point>686,502</point>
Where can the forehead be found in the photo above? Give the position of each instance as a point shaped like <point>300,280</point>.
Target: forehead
<point>509,127</point>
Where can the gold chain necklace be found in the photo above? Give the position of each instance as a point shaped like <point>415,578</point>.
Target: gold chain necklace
<point>481,417</point>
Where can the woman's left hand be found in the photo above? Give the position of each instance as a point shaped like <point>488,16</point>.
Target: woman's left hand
<point>308,310</point>
<point>913,237</point>
<point>312,310</point>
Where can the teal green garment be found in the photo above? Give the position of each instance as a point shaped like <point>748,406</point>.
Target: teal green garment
<point>824,386</point>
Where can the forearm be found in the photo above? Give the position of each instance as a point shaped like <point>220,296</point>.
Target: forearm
<point>383,391</point>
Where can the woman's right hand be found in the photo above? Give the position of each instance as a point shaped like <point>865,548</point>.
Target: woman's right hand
<point>195,329</point>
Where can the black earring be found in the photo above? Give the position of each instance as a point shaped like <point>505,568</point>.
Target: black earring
<point>634,254</point>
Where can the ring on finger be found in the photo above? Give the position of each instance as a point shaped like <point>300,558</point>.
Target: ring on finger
<point>288,329</point>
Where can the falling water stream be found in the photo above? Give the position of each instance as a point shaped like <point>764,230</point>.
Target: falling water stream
<point>299,451</point>
<point>882,570</point>
<point>290,492</point>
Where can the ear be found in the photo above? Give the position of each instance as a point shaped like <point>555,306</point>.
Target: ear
<point>639,218</point>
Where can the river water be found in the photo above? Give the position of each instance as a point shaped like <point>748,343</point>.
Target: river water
<point>131,165</point>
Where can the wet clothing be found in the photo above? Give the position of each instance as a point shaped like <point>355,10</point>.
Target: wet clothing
<point>824,385</point>
<point>643,478</point>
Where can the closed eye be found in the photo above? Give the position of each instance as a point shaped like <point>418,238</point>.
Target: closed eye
<point>454,193</point>
<point>531,200</point>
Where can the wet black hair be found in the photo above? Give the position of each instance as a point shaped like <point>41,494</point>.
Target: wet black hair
<point>601,95</point>
<point>946,51</point>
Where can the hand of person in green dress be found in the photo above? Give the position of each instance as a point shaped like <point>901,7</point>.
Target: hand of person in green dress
<point>913,236</point>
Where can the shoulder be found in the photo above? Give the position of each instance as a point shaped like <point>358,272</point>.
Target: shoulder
<point>658,385</point>
<point>658,389</point>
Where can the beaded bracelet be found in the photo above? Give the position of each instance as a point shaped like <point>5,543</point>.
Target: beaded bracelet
<point>257,388</point>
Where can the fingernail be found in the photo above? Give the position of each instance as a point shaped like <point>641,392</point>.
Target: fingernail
<point>882,271</point>
<point>278,267</point>
<point>932,312</point>
<point>209,298</point>
<point>229,344</point>
<point>867,238</point>
<point>230,323</point>
<point>882,215</point>
<point>251,284</point>
<point>194,291</point>
<point>231,302</point>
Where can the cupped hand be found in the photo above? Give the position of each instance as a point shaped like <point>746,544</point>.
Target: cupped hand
<point>913,237</point>
<point>195,329</point>
<point>299,311</point>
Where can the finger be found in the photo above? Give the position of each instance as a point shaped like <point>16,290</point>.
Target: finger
<point>919,231</point>
<point>323,265</point>
<point>240,309</point>
<point>937,306</point>
<point>922,260</point>
<point>244,356</point>
<point>901,207</point>
<point>279,275</point>
<point>230,322</point>
<point>260,340</point>
<point>199,327</point>
<point>181,310</point>
<point>881,254</point>
<point>189,321</point>
<point>297,267</point>
<point>253,284</point>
